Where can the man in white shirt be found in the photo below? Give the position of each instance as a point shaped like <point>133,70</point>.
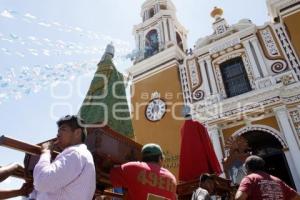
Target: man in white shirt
<point>71,175</point>
<point>206,188</point>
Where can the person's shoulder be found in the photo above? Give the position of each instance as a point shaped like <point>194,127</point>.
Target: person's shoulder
<point>134,164</point>
<point>77,150</point>
<point>167,172</point>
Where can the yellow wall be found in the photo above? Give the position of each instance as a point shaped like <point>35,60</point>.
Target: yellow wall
<point>229,131</point>
<point>292,23</point>
<point>165,132</point>
<point>270,121</point>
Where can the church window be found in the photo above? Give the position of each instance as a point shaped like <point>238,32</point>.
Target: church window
<point>151,43</point>
<point>179,41</point>
<point>235,78</point>
<point>151,12</point>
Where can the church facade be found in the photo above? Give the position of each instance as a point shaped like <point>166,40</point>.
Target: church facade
<point>241,81</point>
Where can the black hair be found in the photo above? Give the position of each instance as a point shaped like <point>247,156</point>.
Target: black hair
<point>254,163</point>
<point>74,122</point>
<point>204,177</point>
<point>152,158</point>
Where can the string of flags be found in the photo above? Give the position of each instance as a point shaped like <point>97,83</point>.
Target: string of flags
<point>18,81</point>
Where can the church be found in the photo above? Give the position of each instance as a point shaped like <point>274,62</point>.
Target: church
<point>241,82</point>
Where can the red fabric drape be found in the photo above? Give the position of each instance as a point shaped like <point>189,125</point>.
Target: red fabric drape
<point>197,154</point>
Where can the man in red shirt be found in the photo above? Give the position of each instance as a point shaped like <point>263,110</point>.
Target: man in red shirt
<point>258,185</point>
<point>146,180</point>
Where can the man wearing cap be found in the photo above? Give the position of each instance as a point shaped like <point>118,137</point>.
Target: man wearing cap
<point>146,180</point>
<point>72,174</point>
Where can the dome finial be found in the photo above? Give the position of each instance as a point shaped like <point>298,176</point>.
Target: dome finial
<point>216,13</point>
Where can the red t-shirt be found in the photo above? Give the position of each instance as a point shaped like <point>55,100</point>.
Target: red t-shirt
<point>144,181</point>
<point>262,186</point>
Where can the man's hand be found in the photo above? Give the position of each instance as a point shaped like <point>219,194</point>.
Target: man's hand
<point>8,170</point>
<point>26,189</point>
<point>46,147</point>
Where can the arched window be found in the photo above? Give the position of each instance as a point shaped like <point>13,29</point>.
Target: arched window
<point>179,41</point>
<point>235,77</point>
<point>151,43</point>
<point>151,12</point>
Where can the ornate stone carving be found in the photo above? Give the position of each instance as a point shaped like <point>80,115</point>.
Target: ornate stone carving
<point>249,71</point>
<point>264,82</point>
<point>269,42</point>
<point>194,73</point>
<point>198,95</point>
<point>287,47</point>
<point>291,99</point>
<point>295,115</point>
<point>185,84</point>
<point>224,45</point>
<point>278,67</point>
<point>286,78</point>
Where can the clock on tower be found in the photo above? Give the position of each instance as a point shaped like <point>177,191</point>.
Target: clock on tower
<point>156,109</point>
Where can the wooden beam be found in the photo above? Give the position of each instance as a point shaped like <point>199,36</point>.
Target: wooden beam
<point>20,146</point>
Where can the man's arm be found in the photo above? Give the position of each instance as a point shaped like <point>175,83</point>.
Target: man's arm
<point>52,176</point>
<point>244,189</point>
<point>23,191</point>
<point>8,170</point>
<point>241,195</point>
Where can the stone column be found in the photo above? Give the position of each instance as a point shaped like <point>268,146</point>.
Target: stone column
<point>142,43</point>
<point>260,58</point>
<point>166,30</point>
<point>282,117</point>
<point>293,170</point>
<point>204,77</point>
<point>215,138</point>
<point>252,60</point>
<point>162,35</point>
<point>172,31</point>
<point>211,75</point>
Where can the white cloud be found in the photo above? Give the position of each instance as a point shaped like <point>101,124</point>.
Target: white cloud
<point>44,24</point>
<point>28,15</point>
<point>20,54</point>
<point>7,14</point>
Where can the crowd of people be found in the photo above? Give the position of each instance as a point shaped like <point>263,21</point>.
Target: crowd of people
<point>72,176</point>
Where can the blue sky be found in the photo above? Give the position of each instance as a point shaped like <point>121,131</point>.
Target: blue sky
<point>49,50</point>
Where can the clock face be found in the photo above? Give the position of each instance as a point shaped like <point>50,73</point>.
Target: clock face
<point>155,110</point>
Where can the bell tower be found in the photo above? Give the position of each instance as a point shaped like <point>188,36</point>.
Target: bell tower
<point>156,92</point>
<point>159,29</point>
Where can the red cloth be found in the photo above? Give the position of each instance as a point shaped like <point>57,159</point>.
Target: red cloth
<point>197,154</point>
<point>264,186</point>
<point>144,180</point>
